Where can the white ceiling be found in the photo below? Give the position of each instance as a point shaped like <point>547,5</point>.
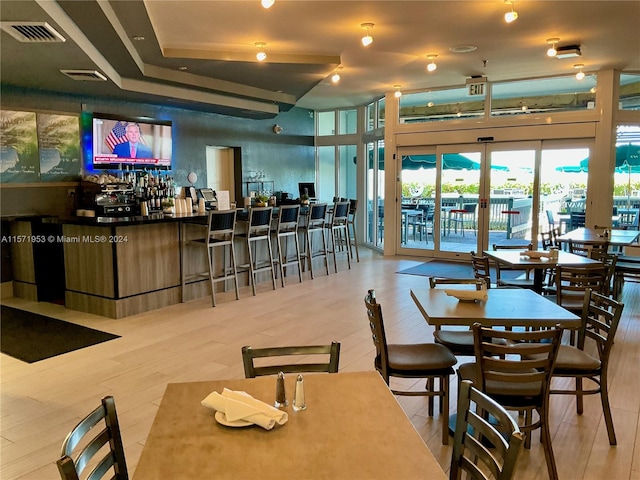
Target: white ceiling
<point>306,42</point>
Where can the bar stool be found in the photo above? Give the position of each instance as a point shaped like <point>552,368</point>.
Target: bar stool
<point>288,228</point>
<point>315,224</point>
<point>222,224</point>
<point>338,230</point>
<point>351,228</point>
<point>259,230</point>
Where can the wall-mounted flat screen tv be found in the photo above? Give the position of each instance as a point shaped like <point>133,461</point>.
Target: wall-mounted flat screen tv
<point>121,142</point>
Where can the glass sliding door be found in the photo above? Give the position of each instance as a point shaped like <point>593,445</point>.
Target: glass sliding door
<point>512,193</point>
<point>375,193</point>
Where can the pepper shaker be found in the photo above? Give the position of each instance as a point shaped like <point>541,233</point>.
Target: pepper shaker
<point>298,395</point>
<point>281,394</point>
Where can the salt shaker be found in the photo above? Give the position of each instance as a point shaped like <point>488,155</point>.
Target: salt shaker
<point>298,395</point>
<point>281,394</point>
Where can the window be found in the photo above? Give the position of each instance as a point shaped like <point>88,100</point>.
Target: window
<point>440,105</point>
<point>347,121</point>
<point>326,123</point>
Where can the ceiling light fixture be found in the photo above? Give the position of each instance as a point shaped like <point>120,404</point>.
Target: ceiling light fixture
<point>261,56</point>
<point>580,74</point>
<point>335,78</point>
<point>267,3</point>
<point>552,52</point>
<point>512,15</point>
<point>367,39</point>
<point>397,93</point>
<point>432,65</point>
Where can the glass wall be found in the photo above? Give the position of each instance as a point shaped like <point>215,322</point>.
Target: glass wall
<point>629,92</point>
<point>326,123</point>
<point>347,121</point>
<point>326,183</point>
<point>347,179</point>
<point>440,105</point>
<point>558,94</point>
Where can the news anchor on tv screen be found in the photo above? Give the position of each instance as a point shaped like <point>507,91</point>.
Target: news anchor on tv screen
<point>132,148</point>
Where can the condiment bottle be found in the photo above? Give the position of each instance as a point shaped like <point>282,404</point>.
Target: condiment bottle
<point>298,395</point>
<point>281,394</point>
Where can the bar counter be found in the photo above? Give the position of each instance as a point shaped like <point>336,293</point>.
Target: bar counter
<point>113,266</point>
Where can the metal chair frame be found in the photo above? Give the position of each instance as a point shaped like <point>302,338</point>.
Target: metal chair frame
<point>93,439</point>
<point>249,355</point>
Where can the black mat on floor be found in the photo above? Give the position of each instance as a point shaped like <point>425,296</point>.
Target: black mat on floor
<point>32,337</point>
<point>436,268</point>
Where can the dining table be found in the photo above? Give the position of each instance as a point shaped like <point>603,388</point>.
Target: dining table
<point>504,307</point>
<point>515,260</point>
<point>617,237</point>
<point>353,427</point>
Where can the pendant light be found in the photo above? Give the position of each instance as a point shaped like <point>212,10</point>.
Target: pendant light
<point>261,56</point>
<point>512,15</point>
<point>367,39</point>
<point>552,52</point>
<point>580,75</point>
<point>397,93</point>
<point>267,3</point>
<point>432,65</point>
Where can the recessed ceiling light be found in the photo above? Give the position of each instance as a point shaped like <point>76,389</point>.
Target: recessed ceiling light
<point>463,48</point>
<point>138,38</point>
<point>182,69</point>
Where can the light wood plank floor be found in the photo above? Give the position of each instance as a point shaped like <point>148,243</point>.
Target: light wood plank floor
<point>41,402</point>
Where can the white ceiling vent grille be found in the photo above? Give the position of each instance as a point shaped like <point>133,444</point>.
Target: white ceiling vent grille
<point>32,32</point>
<point>85,75</point>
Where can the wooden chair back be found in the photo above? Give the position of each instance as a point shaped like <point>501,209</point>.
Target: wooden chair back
<point>481,267</point>
<point>506,373</point>
<point>600,318</point>
<point>583,248</point>
<point>475,432</point>
<point>573,281</point>
<point>479,283</point>
<point>96,440</point>
<point>251,370</point>
<point>374,312</point>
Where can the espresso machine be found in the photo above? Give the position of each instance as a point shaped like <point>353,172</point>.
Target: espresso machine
<point>115,200</point>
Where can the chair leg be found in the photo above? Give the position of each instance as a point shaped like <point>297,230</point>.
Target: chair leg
<point>579,396</point>
<point>606,408</point>
<point>444,408</point>
<point>546,444</point>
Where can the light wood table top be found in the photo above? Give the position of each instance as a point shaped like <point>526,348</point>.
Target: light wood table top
<point>616,237</point>
<point>353,428</point>
<point>513,260</point>
<point>508,307</point>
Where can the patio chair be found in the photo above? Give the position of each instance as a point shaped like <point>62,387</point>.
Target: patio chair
<point>463,217</point>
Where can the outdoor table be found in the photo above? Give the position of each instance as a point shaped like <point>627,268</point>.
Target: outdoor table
<point>512,259</point>
<point>353,427</point>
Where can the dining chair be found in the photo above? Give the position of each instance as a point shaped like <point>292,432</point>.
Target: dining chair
<point>609,260</point>
<point>99,443</point>
<point>460,342</point>
<point>600,319</point>
<point>287,230</point>
<point>481,268</point>
<point>583,248</point>
<point>429,361</point>
<point>508,376</point>
<point>571,285</point>
<point>330,365</point>
<point>526,282</point>
<point>487,440</point>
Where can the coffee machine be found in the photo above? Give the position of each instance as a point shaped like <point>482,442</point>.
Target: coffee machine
<point>115,200</point>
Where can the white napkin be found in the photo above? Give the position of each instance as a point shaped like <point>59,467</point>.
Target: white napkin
<point>467,294</point>
<point>535,254</point>
<point>242,406</point>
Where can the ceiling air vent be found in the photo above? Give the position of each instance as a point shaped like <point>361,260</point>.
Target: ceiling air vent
<point>32,32</point>
<point>85,75</point>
